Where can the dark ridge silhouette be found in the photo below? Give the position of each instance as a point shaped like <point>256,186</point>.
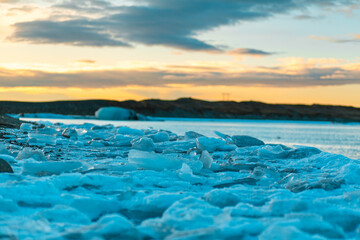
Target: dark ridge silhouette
<point>193,108</point>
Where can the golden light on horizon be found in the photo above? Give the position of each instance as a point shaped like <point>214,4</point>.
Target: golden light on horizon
<point>325,95</point>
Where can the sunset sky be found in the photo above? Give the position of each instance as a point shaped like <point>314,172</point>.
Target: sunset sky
<point>275,51</point>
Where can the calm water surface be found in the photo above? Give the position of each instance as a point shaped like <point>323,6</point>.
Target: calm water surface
<point>336,138</point>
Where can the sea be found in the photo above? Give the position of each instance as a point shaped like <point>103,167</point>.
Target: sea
<point>338,138</point>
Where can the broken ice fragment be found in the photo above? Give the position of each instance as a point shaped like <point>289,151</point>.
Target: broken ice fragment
<point>154,161</point>
<point>144,144</point>
<point>246,141</point>
<point>209,144</point>
<point>206,159</point>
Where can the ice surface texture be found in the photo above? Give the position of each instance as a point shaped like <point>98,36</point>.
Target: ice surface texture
<point>101,182</point>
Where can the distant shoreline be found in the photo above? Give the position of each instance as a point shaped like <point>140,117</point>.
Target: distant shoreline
<point>192,108</point>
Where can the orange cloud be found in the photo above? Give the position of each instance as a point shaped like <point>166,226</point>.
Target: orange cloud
<point>343,95</point>
<point>289,72</point>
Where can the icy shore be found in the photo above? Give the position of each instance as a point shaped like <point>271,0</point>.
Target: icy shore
<point>104,182</point>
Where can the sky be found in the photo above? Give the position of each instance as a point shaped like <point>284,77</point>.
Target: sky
<point>275,51</point>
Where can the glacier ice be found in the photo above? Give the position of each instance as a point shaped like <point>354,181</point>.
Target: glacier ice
<point>105,182</point>
<point>118,113</point>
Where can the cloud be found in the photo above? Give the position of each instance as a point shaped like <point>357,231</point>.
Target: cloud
<point>249,52</point>
<point>20,10</point>
<point>353,39</point>
<point>86,61</point>
<point>77,33</point>
<point>170,23</point>
<point>307,17</point>
<point>309,73</point>
<point>25,9</point>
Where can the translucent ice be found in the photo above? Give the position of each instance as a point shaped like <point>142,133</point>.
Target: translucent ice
<point>144,144</point>
<point>27,153</point>
<point>154,161</point>
<point>130,131</point>
<point>115,113</point>
<point>209,144</point>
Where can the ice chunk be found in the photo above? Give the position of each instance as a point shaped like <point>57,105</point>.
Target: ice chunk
<point>246,141</point>
<point>115,113</point>
<point>160,137</point>
<point>315,225</point>
<point>272,151</point>
<point>350,172</point>
<point>102,127</point>
<point>64,214</point>
<point>303,152</point>
<point>26,126</point>
<point>122,140</point>
<point>190,213</point>
<point>70,133</point>
<point>94,206</point>
<point>175,146</point>
<point>206,159</point>
<point>279,207</point>
<point>192,135</point>
<point>144,144</point>
<point>27,153</point>
<point>186,173</point>
<point>49,168</point>
<point>113,226</point>
<point>240,228</point>
<point>47,130</point>
<point>227,148</point>
<point>4,150</point>
<point>154,161</point>
<point>279,232</point>
<point>209,144</point>
<point>140,207</point>
<point>246,210</point>
<point>222,198</point>
<point>222,135</point>
<point>348,219</point>
<point>36,139</point>
<point>130,131</point>
<point>195,165</point>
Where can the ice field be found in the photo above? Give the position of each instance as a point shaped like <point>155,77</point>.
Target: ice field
<point>104,182</point>
<point>339,138</point>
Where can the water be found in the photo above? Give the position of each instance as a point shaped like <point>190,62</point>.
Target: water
<point>336,138</point>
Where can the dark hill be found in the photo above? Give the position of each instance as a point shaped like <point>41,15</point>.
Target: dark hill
<point>192,108</point>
